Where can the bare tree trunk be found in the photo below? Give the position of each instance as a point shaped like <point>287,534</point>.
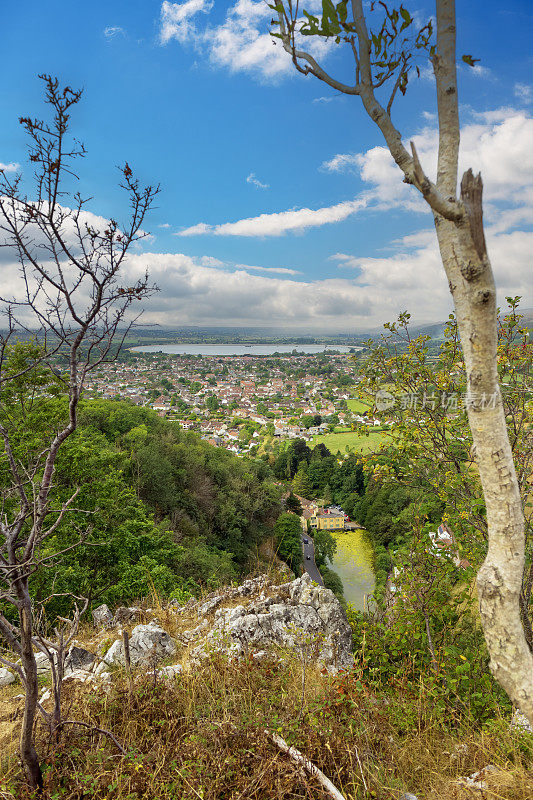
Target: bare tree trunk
<point>28,752</point>
<point>87,265</point>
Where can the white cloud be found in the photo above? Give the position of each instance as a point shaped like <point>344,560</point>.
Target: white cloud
<point>211,261</point>
<point>479,71</point>
<point>374,290</point>
<point>413,279</point>
<point>343,162</point>
<point>241,42</point>
<point>192,293</point>
<point>256,182</point>
<point>11,167</point>
<point>523,92</point>
<point>280,222</point>
<point>177,20</point>
<point>195,230</point>
<point>164,225</point>
<point>498,143</point>
<point>275,270</point>
<point>112,31</point>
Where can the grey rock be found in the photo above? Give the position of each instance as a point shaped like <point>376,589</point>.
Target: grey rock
<point>115,654</point>
<point>78,658</point>
<point>102,617</point>
<point>476,780</point>
<point>82,675</point>
<point>195,632</point>
<point>211,605</point>
<point>124,615</point>
<point>170,671</point>
<point>148,645</point>
<point>303,617</point>
<point>6,677</point>
<point>43,663</point>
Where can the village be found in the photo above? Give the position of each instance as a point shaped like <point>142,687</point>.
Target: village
<point>239,402</point>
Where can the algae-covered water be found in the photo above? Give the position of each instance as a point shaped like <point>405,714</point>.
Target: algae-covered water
<point>353,563</point>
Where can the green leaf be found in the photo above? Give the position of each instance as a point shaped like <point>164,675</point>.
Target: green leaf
<point>470,60</point>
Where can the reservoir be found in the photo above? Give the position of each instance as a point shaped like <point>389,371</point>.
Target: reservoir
<point>239,349</point>
<point>353,564</point>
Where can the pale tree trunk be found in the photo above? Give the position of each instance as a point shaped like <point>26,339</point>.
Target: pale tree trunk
<point>459,226</point>
<point>471,281</point>
<point>500,578</point>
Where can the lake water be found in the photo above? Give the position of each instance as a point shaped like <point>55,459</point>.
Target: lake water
<point>353,564</point>
<point>237,349</point>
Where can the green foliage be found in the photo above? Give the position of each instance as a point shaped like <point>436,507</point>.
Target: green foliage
<point>212,403</point>
<point>394,654</point>
<point>310,420</point>
<point>288,533</point>
<point>325,547</point>
<point>158,509</point>
<point>293,504</point>
<point>431,453</point>
<point>332,581</point>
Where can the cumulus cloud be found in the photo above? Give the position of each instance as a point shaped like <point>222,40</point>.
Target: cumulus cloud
<point>256,182</point>
<point>177,20</point>
<point>369,291</point>
<point>164,225</point>
<point>496,143</point>
<point>192,293</point>
<point>412,277</point>
<point>11,167</point>
<point>280,222</point>
<point>343,162</point>
<point>240,43</point>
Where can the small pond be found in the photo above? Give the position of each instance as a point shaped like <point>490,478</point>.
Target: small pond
<point>353,564</point>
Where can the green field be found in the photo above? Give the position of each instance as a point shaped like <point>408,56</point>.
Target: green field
<point>357,406</point>
<point>352,439</point>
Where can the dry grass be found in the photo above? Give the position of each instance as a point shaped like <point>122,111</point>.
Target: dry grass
<point>201,735</point>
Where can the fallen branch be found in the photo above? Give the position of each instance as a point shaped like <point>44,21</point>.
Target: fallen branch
<point>304,762</point>
<point>95,729</point>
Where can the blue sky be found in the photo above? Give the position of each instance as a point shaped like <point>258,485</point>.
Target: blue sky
<point>195,96</point>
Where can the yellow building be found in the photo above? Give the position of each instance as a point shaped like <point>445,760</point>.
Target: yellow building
<point>328,522</point>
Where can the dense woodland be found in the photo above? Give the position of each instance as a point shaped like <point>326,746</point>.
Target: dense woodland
<point>159,510</point>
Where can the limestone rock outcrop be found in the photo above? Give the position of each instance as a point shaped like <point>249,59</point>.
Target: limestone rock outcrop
<point>78,659</point>
<point>149,644</point>
<point>299,616</point>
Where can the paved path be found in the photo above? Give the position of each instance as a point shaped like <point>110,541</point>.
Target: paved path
<point>310,565</point>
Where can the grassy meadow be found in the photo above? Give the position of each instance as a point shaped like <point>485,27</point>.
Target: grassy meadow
<point>355,440</point>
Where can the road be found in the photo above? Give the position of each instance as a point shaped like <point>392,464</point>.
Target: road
<point>309,565</point>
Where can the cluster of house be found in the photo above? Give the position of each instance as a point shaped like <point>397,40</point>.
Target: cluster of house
<point>272,392</point>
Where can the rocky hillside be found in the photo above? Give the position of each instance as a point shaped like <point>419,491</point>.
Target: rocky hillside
<point>251,692</point>
<point>258,619</point>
